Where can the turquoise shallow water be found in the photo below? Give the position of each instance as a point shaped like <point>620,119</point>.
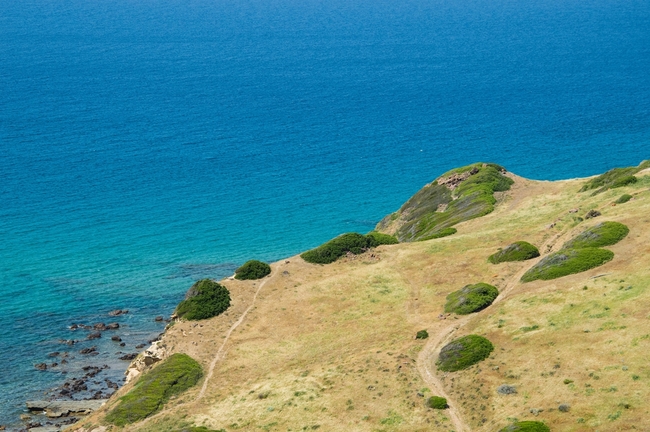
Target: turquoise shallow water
<point>148,144</point>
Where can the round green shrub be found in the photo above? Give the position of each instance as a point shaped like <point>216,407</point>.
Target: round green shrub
<point>603,234</point>
<point>153,389</point>
<point>252,269</point>
<point>205,299</point>
<point>422,334</point>
<point>518,251</point>
<point>566,262</point>
<point>437,402</point>
<point>471,298</point>
<point>526,426</point>
<point>464,352</point>
<point>623,199</point>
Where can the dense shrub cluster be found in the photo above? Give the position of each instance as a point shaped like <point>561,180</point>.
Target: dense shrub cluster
<point>623,199</point>
<point>420,218</point>
<point>252,269</point>
<point>422,334</point>
<point>471,298</point>
<point>603,234</point>
<point>437,402</point>
<point>153,389</point>
<point>464,352</point>
<point>566,262</point>
<point>526,426</point>
<point>518,251</point>
<point>614,178</point>
<point>350,242</point>
<point>205,299</point>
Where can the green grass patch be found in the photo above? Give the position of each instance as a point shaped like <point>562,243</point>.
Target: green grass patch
<point>153,389</point>
<point>436,207</point>
<point>205,299</point>
<point>199,429</point>
<point>623,199</point>
<point>518,251</point>
<point>614,178</point>
<point>341,245</point>
<point>464,352</point>
<point>437,402</point>
<point>471,298</point>
<point>440,234</point>
<point>526,426</point>
<point>603,234</point>
<point>252,269</point>
<point>566,262</point>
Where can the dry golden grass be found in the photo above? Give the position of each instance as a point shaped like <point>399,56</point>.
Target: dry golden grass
<point>333,347</point>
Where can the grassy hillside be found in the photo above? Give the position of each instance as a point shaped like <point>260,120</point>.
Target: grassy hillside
<point>333,347</point>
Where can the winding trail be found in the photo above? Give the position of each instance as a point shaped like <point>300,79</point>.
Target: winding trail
<point>425,360</point>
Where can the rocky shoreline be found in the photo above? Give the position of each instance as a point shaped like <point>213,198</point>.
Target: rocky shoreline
<point>88,384</point>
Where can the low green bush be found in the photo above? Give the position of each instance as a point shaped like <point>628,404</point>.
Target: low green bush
<point>422,334</point>
<point>603,234</point>
<point>526,426</point>
<point>437,402</point>
<point>464,352</point>
<point>350,242</point>
<point>471,298</point>
<point>205,299</point>
<point>377,239</point>
<point>252,269</point>
<point>566,262</point>
<point>614,178</point>
<point>518,251</point>
<point>440,234</point>
<point>623,199</point>
<point>153,389</point>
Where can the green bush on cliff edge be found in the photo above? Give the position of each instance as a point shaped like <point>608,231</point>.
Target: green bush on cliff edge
<point>153,389</point>
<point>205,299</point>
<point>252,269</point>
<point>351,242</point>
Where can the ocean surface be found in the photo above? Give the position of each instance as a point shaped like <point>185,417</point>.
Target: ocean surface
<point>147,144</point>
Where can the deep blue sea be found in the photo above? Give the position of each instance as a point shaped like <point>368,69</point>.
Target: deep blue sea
<point>146,144</point>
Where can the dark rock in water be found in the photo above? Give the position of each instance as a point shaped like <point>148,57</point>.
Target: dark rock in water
<point>99,326</point>
<point>95,335</point>
<point>41,366</point>
<point>64,361</point>
<point>55,364</point>
<point>116,339</point>
<point>88,350</point>
<point>140,346</point>
<point>159,318</point>
<point>129,357</point>
<point>122,344</point>
<point>53,354</point>
<point>112,326</point>
<point>73,327</point>
<point>118,312</point>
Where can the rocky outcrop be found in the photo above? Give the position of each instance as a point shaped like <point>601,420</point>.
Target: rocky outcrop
<point>56,409</point>
<point>155,353</point>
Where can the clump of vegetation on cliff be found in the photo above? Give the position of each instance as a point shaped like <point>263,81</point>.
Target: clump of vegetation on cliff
<point>464,352</point>
<point>471,298</point>
<point>614,178</point>
<point>437,402</point>
<point>603,234</point>
<point>351,242</point>
<point>172,376</point>
<point>518,251</point>
<point>456,196</point>
<point>566,262</point>
<point>252,269</point>
<point>205,299</point>
<point>526,426</point>
<point>623,199</point>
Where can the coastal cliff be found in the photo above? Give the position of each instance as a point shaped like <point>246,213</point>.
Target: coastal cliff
<point>334,347</point>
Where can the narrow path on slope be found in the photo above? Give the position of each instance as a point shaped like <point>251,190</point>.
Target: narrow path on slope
<point>236,324</point>
<point>425,363</point>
